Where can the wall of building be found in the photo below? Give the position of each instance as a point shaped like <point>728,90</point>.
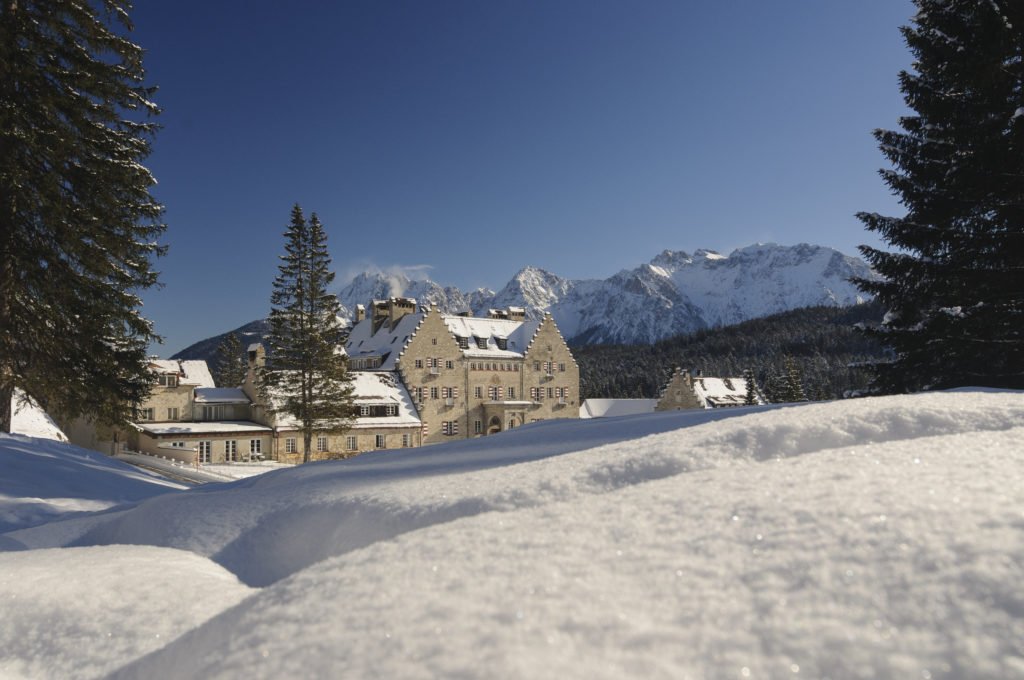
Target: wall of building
<point>678,394</point>
<point>159,445</point>
<point>163,398</point>
<point>432,341</point>
<point>338,444</point>
<point>548,348</point>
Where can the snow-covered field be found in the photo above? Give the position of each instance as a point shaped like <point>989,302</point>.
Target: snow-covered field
<point>863,539</point>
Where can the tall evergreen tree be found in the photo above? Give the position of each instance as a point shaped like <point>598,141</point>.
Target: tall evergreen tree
<point>78,226</point>
<point>955,286</point>
<point>231,365</point>
<point>751,382</point>
<point>307,376</point>
<point>793,389</point>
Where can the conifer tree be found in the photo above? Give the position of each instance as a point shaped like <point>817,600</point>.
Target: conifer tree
<point>751,382</point>
<point>793,389</point>
<point>307,377</point>
<point>954,288</point>
<point>231,365</point>
<point>78,226</point>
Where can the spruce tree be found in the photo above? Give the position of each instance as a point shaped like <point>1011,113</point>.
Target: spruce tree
<point>751,383</point>
<point>78,226</point>
<point>954,288</point>
<point>307,376</point>
<point>231,365</point>
<point>793,389</point>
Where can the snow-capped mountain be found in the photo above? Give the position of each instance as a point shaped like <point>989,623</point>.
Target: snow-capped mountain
<point>676,292</point>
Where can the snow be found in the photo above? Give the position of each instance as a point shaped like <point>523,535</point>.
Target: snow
<point>29,419</point>
<point>873,538</point>
<point>613,408</point>
<point>203,427</point>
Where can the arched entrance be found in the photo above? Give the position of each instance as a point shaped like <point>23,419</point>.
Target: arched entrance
<point>494,425</point>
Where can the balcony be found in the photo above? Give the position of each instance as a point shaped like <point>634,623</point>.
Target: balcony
<point>435,370</point>
<point>449,401</point>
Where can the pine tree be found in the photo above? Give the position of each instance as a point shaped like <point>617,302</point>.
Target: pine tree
<point>78,226</point>
<point>955,287</point>
<point>231,365</point>
<point>307,377</point>
<point>793,389</point>
<point>751,396</point>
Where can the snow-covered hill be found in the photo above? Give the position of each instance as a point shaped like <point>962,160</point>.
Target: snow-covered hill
<point>877,538</point>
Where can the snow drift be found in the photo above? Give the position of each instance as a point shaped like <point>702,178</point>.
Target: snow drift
<point>870,538</point>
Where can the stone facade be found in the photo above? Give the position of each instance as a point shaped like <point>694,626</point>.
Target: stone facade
<point>469,376</point>
<point>678,393</point>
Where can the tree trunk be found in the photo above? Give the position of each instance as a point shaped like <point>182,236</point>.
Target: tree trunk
<point>6,411</point>
<point>307,441</point>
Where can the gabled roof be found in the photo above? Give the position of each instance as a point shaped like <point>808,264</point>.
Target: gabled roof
<point>719,392</point>
<point>373,388</point>
<point>516,334</point>
<point>191,371</point>
<point>386,343</point>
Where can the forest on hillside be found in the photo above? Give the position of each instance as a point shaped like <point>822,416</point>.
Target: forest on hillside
<point>824,344</point>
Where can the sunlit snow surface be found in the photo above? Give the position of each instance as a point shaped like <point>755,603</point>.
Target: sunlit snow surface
<point>868,538</point>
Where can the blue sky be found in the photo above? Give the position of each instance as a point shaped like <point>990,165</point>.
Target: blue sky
<point>468,139</point>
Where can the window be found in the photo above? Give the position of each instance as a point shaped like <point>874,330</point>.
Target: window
<point>463,342</point>
<point>289,445</point>
<point>515,367</point>
<point>419,394</point>
<point>511,393</point>
<point>449,364</point>
<point>172,413</point>
<point>433,341</point>
<point>419,363</point>
<point>536,365</point>
<point>406,441</point>
<point>450,427</point>
<point>321,444</point>
<point>364,411</point>
<point>177,445</point>
<point>231,451</point>
<point>511,424</point>
<point>478,426</point>
<point>167,380</point>
<point>478,392</point>
<point>433,393</point>
<point>350,443</point>
<point>561,368</point>
<point>551,393</point>
<point>146,414</point>
<point>213,412</point>
<point>256,447</point>
<point>205,449</point>
<point>380,441</point>
<point>481,343</point>
<point>502,343</point>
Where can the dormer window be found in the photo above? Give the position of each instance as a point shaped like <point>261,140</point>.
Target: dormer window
<point>167,380</point>
<point>463,342</point>
<point>481,342</point>
<point>502,343</point>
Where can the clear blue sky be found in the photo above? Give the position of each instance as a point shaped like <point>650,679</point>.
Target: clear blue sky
<point>473,138</point>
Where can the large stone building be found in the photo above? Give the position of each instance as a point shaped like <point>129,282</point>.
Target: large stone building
<point>468,376</point>
<point>684,390</point>
<point>420,377</point>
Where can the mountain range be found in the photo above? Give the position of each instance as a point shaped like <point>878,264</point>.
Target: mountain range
<point>676,292</point>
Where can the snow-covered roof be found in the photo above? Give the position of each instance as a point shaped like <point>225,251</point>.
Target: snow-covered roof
<point>220,395</point>
<point>206,427</point>
<point>386,343</point>
<point>373,388</point>
<point>610,408</point>
<point>192,371</point>
<point>516,334</point>
<point>720,392</point>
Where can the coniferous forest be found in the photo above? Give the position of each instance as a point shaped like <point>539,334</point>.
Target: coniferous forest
<point>824,343</point>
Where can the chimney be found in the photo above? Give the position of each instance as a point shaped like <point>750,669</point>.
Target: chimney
<point>399,307</point>
<point>497,314</point>
<point>257,355</point>
<point>360,313</point>
<point>380,313</point>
